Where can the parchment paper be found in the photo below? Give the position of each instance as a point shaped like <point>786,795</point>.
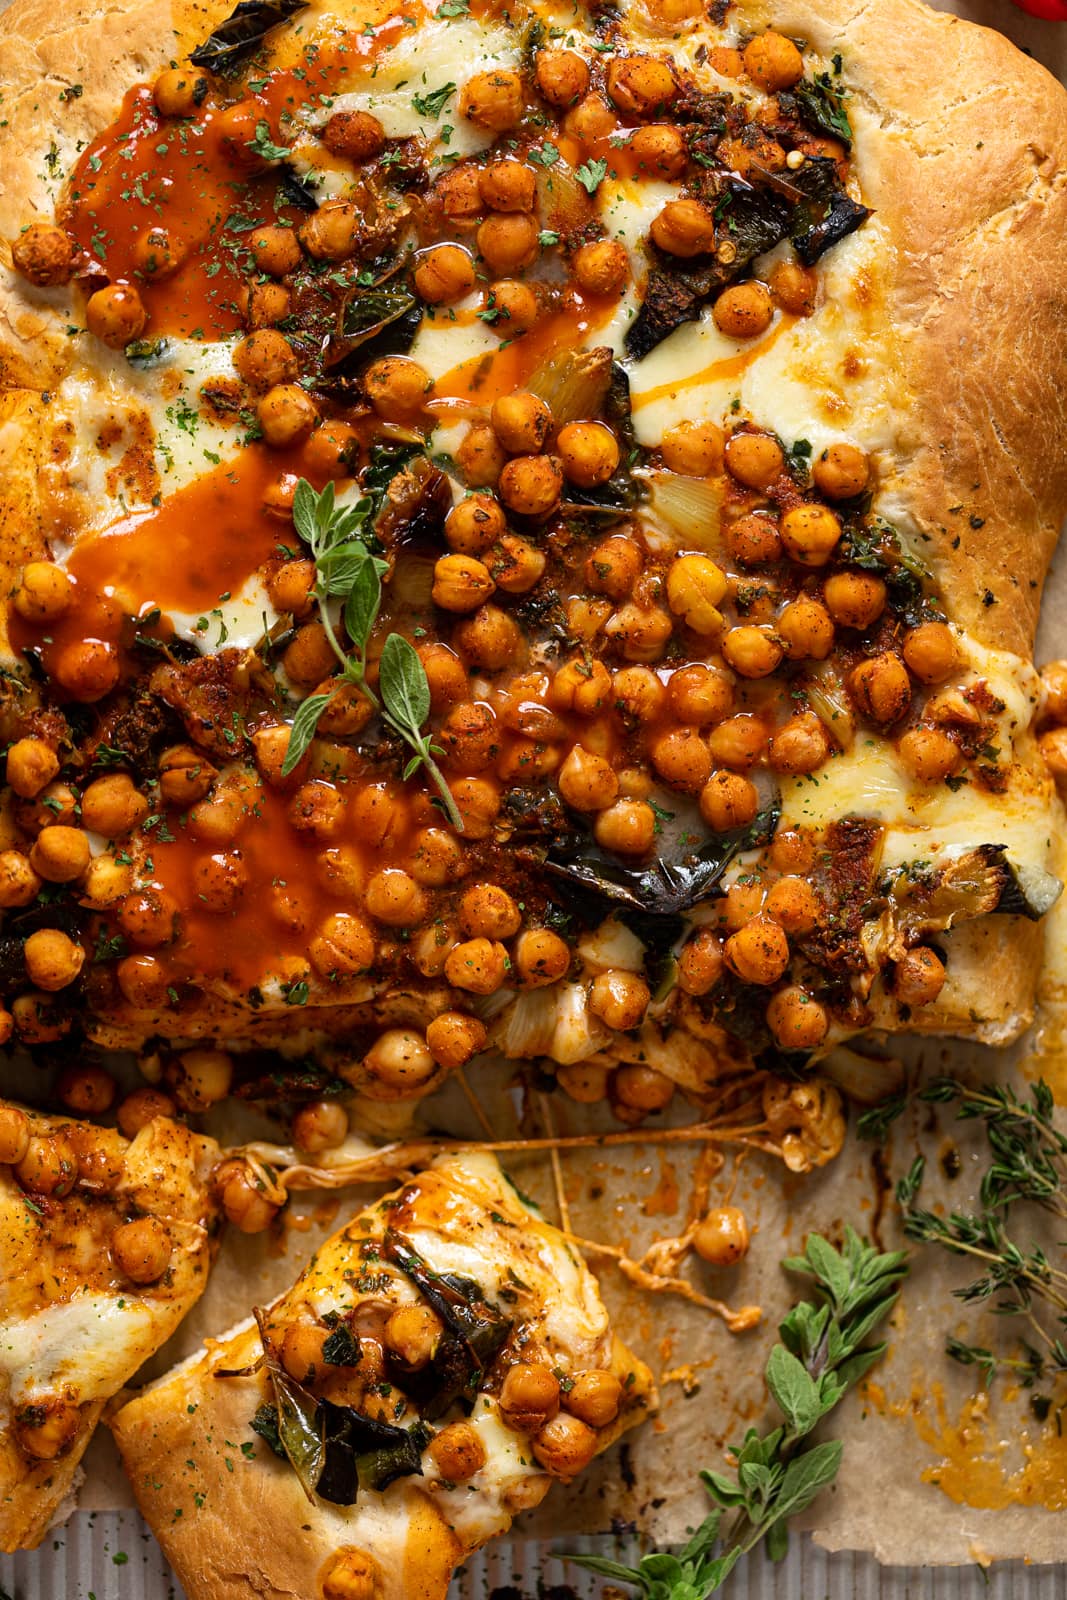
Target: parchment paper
<point>905,1438</point>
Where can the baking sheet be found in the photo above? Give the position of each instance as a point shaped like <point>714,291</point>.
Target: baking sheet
<point>914,1424</point>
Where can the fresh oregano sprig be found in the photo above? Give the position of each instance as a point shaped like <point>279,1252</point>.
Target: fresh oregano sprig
<point>346,569</point>
<point>822,1354</point>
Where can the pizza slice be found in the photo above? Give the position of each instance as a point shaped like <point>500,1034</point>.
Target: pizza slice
<point>438,1364</point>
<point>105,1244</point>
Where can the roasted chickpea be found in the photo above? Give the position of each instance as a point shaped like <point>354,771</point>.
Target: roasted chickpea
<point>754,459</point>
<point>60,854</point>
<point>800,745</point>
<point>116,315</point>
<point>265,358</point>
<point>493,100</point>
<point>758,952</point>
<point>806,630</point>
<point>694,449</point>
<point>237,127</point>
<point>400,1060</point>
<point>444,274</point>
<point>112,806</point>
<point>681,758</point>
<point>480,457</point>
<point>52,959</point>
<point>478,966</point>
<point>642,631</point>
<point>562,76</point>
<point>148,917</point>
<point>19,883</point>
<point>31,766</point>
<point>522,422</point>
<point>140,1108</point>
<point>321,1125</point>
<point>841,471</point>
<point>142,981</point>
<point>642,1088</point>
<point>931,651</point>
<point>515,304</point>
<point>87,669</point>
<point>332,232</point>
<point>684,228</point>
<point>200,1078</point>
<point>793,904</point>
<point>700,963</point>
<point>753,652</point>
<point>413,1334</point>
<point>586,781</point>
<point>508,241</point>
<point>454,1037</point>
<point>773,61</point>
<point>541,958</point>
<point>591,119</point>
<point>48,1428</point>
<point>614,566</point>
<point>352,1575</point>
<point>620,999</point>
<point>354,134</point>
<point>529,1396</point>
<point>589,452</point>
<point>275,250</point>
<point>695,586</point>
<point>44,592</point>
<point>244,1202</point>
<point>517,567</point>
<point>141,1249</point>
<point>881,687</point>
<point>721,1236</point>
<point>445,674</point>
<point>286,415</point>
<point>1054,683</point>
<point>728,801</point>
<point>43,254</point>
<point>458,1452</point>
<point>639,693</point>
<point>640,85</point>
<point>919,977</point>
<point>601,267</point>
<point>393,897</point>
<point>487,911</point>
<point>49,1165</point>
<point>627,828</point>
<point>461,583</point>
<point>738,742</point>
<point>565,1446</point>
<point>753,540</point>
<point>157,253</point>
<point>531,485</point>
<point>264,304</point>
<point>854,599</point>
<point>332,450</point>
<point>508,185</point>
<point>14,1135</point>
<point>810,534</point>
<point>396,387</point>
<point>470,738</point>
<point>929,754</point>
<point>794,288</point>
<point>659,148</point>
<point>743,311</point>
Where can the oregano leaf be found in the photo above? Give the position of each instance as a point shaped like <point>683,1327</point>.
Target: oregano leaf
<point>303,729</point>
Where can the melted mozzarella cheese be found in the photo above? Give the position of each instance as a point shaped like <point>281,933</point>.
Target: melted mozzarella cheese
<point>93,1342</point>
<point>442,344</point>
<point>237,623</point>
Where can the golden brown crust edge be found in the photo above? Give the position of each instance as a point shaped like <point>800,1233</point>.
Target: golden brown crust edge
<point>973,188</point>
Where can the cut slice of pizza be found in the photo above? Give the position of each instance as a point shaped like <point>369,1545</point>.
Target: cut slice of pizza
<point>441,1360</point>
<point>105,1244</point>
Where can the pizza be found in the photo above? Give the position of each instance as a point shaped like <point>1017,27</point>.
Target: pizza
<point>441,1361</point>
<point>105,1245</point>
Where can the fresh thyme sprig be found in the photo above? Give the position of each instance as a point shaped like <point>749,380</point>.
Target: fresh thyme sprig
<point>346,569</point>
<point>1028,1166</point>
<point>822,1354</point>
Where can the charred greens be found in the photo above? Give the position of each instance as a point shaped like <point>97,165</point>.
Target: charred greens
<point>244,29</point>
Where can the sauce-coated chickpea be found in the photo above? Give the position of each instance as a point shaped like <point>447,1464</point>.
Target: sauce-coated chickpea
<point>881,687</point>
<point>684,228</point>
<point>810,534</point>
<point>773,61</point>
<point>728,801</point>
<point>639,693</point>
<point>627,828</point>
<point>470,740</point>
<point>595,1398</point>
<point>60,854</point>
<point>794,287</point>
<point>565,1446</point>
<point>854,599</point>
<point>265,358</point>
<point>493,100</point>
<point>640,85</point>
<point>695,586</point>
<point>157,253</point>
<point>508,241</point>
<point>400,1060</point>
<point>797,1020</point>
<point>659,148</point>
<point>461,583</point>
<point>44,592</point>
<point>614,566</point>
<point>445,674</point>
<point>52,959</point>
<point>517,566</point>
<point>243,1200</point>
<point>286,415</point>
<point>437,858</point>
<point>141,1249</point>
<point>531,486</point>
<point>342,946</point>
<point>396,387</point>
<point>31,766</point>
<point>14,1135</point>
<point>275,250</point>
<point>721,1236</point>
<point>601,267</point>
<point>585,1082</point>
<point>332,450</point>
<point>515,304</point>
<point>919,977</point>
<point>116,315</point>
<point>541,957</point>
<point>700,963</point>
<point>87,669</point>
<point>508,185</point>
<point>841,471</point>
<point>458,1452</point>
<point>454,1037</point>
<point>112,806</point>
<point>753,540</point>
<point>589,452</point>
<point>478,966</point>
<point>200,1078</point>
<point>562,77</point>
<point>738,742</point>
<point>806,629</point>
<point>19,883</point>
<point>753,652</point>
<point>148,917</point>
<point>1054,683</point>
<point>480,456</point>
<point>140,1108</point>
<point>142,981</point>
<point>352,1575</point>
<point>321,1125</point>
<point>581,686</point>
<point>332,232</point>
<point>743,311</point>
<point>694,449</point>
<point>931,651</point>
<point>522,422</point>
<point>641,1088</point>
<point>929,754</point>
<point>487,911</point>
<point>793,904</point>
<point>43,254</point>
<point>800,745</point>
<point>393,897</point>
<point>354,134</point>
<point>49,1165</point>
<point>237,127</point>
<point>185,775</point>
<point>264,304</point>
<point>682,759</point>
<point>45,1430</point>
<point>301,1351</point>
<point>754,459</point>
<point>529,1396</point>
<point>620,999</point>
<point>444,274</point>
<point>758,952</point>
<point>413,1334</point>
<point>586,781</point>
